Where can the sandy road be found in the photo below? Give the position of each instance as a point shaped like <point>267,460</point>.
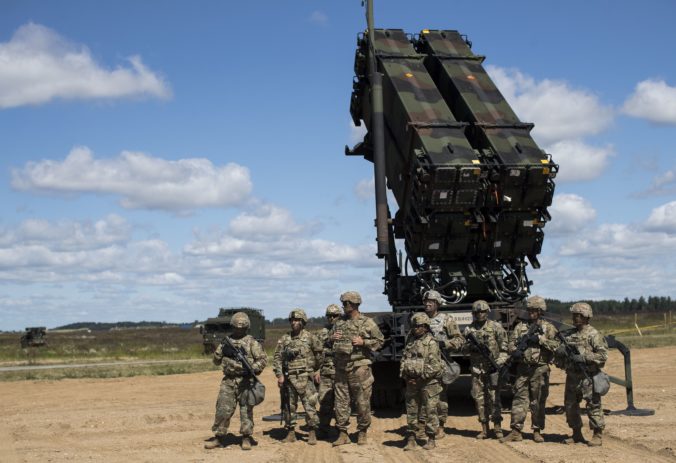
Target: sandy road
<point>167,418</point>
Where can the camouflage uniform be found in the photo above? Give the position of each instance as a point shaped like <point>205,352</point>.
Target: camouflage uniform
<point>593,347</point>
<point>354,378</point>
<point>234,383</point>
<point>304,354</point>
<point>531,385</point>
<point>327,373</point>
<point>445,329</point>
<point>422,363</point>
<point>492,335</point>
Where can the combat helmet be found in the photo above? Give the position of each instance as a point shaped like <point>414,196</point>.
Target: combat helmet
<point>299,314</point>
<point>433,295</point>
<point>420,318</point>
<point>333,309</point>
<point>240,320</point>
<point>536,302</point>
<point>582,308</point>
<point>481,306</point>
<point>351,296</point>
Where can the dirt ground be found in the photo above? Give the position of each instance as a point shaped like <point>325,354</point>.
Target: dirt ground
<point>168,418</point>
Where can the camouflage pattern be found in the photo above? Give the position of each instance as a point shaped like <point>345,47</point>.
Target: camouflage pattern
<point>327,373</point>
<point>304,353</point>
<point>234,383</point>
<point>445,330</point>
<point>298,314</point>
<point>492,335</point>
<point>593,347</point>
<point>480,306</point>
<point>421,367</point>
<point>434,296</point>
<point>351,296</point>
<point>536,302</point>
<point>240,320</point>
<point>531,384</point>
<point>582,308</point>
<point>354,379</point>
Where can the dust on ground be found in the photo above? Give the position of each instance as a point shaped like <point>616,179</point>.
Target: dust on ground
<point>168,418</point>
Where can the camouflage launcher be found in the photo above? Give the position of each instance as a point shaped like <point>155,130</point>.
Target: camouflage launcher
<point>471,186</point>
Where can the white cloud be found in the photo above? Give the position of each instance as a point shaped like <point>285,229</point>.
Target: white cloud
<point>266,220</point>
<point>663,184</point>
<point>570,213</point>
<point>69,235</point>
<point>653,100</point>
<point>559,111</point>
<point>365,189</point>
<point>579,161</point>
<point>620,242</point>
<point>319,17</point>
<point>141,180</point>
<point>38,66</point>
<point>663,218</point>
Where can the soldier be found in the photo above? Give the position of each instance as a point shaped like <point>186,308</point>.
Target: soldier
<point>531,385</point>
<point>296,360</point>
<point>421,368</point>
<point>235,381</point>
<point>490,334</point>
<point>325,377</point>
<point>355,340</point>
<point>445,330</point>
<point>580,368</point>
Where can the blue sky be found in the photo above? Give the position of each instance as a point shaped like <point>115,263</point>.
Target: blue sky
<point>162,159</point>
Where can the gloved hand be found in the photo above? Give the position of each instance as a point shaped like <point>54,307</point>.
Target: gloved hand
<point>578,358</point>
<point>560,351</point>
<point>442,344</point>
<point>517,355</point>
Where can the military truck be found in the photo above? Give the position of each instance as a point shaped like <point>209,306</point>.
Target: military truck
<point>215,329</point>
<point>34,336</point>
<point>471,186</point>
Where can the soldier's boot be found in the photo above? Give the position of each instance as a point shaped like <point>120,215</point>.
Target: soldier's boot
<point>576,438</point>
<point>430,444</point>
<point>537,436</point>
<point>514,436</point>
<point>246,443</point>
<point>216,442</point>
<point>497,429</point>
<point>312,437</point>
<point>323,431</point>
<point>440,434</point>
<point>290,436</point>
<point>410,442</point>
<point>342,439</point>
<point>361,438</point>
<point>596,440</point>
<point>484,431</point>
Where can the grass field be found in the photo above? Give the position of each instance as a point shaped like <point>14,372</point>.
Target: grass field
<point>153,344</point>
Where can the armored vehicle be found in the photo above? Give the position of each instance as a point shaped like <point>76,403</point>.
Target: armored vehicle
<point>34,336</point>
<point>471,186</point>
<point>215,329</point>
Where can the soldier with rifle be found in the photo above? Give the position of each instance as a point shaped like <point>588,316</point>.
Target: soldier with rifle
<point>355,339</point>
<point>531,346</point>
<point>327,372</point>
<point>296,361</point>
<point>445,330</point>
<point>242,359</point>
<point>582,353</point>
<point>486,343</point>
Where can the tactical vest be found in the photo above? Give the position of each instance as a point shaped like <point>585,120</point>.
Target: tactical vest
<point>343,350</point>
<point>535,354</point>
<point>231,366</point>
<point>583,341</point>
<point>298,352</point>
<point>327,367</point>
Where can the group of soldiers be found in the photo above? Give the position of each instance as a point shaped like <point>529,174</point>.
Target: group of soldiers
<point>329,372</point>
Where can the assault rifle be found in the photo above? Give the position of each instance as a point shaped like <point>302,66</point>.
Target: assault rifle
<point>238,353</point>
<point>530,338</point>
<point>285,399</point>
<point>572,352</point>
<point>483,350</point>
